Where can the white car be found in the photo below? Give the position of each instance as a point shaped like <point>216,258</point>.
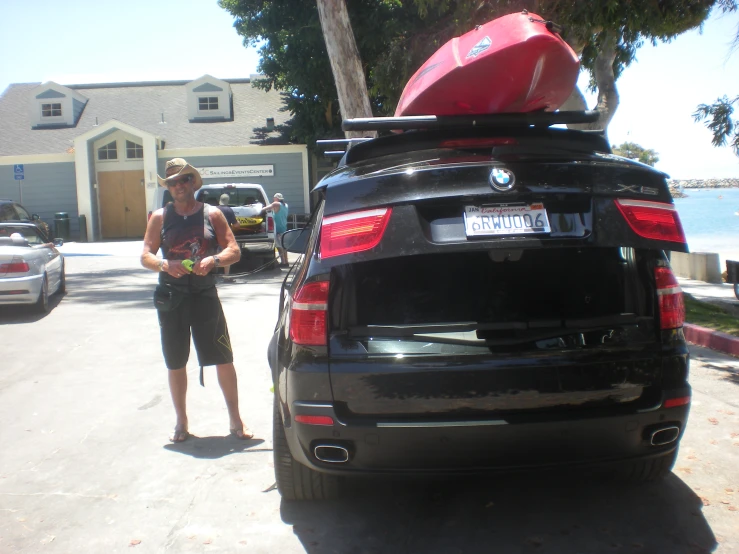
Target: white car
<point>31,268</point>
<point>255,232</point>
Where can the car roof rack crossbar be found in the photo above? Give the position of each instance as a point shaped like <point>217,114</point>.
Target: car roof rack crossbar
<point>441,122</point>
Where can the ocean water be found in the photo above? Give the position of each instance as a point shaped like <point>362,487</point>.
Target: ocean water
<point>710,218</point>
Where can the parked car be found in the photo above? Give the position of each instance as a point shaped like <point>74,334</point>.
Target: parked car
<point>31,268</point>
<point>480,297</point>
<point>12,211</point>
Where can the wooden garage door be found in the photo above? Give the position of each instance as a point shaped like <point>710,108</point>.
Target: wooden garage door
<point>122,204</point>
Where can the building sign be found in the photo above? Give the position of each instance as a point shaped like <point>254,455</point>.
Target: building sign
<point>237,171</point>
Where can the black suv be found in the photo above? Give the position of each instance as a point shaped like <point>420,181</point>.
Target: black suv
<point>12,211</point>
<point>480,294</point>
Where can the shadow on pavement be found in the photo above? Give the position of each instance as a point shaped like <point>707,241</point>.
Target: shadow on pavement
<point>212,448</point>
<point>25,313</point>
<point>545,513</point>
<point>727,366</point>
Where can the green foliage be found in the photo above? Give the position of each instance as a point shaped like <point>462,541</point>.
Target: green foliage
<point>718,116</point>
<point>718,119</point>
<point>395,37</point>
<point>634,151</point>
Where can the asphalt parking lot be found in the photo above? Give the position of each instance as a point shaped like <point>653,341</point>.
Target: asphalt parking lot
<point>85,464</point>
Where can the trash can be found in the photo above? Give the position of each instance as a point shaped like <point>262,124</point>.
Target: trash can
<point>732,271</point>
<point>61,225</point>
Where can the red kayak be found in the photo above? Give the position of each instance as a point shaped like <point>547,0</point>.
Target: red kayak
<point>512,64</point>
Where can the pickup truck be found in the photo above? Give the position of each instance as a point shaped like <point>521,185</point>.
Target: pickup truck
<point>255,232</point>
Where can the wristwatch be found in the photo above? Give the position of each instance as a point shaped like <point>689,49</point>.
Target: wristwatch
<point>217,261</point>
<point>161,265</point>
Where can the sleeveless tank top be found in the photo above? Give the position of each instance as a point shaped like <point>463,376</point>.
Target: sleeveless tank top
<point>188,237</point>
<point>281,219</point>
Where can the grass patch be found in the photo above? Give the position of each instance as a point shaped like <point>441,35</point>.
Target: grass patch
<point>709,315</point>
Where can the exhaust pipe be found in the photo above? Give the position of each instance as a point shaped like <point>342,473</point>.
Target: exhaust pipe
<point>663,436</point>
<point>331,453</point>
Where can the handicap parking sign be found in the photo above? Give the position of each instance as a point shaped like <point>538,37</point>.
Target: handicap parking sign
<point>18,169</point>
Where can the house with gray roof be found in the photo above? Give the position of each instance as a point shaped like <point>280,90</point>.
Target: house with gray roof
<point>95,150</point>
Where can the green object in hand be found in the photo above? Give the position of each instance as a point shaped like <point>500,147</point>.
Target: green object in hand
<point>187,264</point>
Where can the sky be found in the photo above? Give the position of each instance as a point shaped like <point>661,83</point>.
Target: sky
<point>94,41</point>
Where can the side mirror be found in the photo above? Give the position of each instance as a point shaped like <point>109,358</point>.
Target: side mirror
<point>35,217</point>
<point>58,242</point>
<point>295,240</point>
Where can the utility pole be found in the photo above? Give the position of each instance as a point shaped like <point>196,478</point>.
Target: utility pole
<point>346,64</point>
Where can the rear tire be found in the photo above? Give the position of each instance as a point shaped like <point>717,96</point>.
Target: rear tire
<point>62,282</point>
<point>653,469</point>
<point>42,304</point>
<point>294,480</point>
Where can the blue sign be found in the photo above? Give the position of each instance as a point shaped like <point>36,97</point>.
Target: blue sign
<point>19,176</point>
<point>18,169</point>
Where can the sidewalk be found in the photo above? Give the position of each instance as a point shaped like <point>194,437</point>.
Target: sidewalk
<point>720,295</point>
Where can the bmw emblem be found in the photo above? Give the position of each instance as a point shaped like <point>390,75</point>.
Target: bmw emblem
<point>502,179</point>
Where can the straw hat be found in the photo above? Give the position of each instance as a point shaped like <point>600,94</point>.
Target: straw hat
<point>177,167</point>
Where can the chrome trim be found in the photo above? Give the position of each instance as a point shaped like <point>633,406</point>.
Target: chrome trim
<point>670,428</point>
<point>435,424</point>
<point>311,405</point>
<point>345,451</point>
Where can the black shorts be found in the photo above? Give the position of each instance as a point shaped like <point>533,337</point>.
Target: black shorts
<point>202,313</point>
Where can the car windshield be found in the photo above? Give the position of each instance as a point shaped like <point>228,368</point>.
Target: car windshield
<point>237,196</point>
<point>28,233</point>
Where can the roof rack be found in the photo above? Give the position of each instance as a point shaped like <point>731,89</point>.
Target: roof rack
<point>440,122</point>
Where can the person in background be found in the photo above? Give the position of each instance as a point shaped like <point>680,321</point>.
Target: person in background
<point>230,219</point>
<point>279,209</point>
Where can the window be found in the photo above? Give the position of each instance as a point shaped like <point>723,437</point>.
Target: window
<point>108,152</point>
<point>51,110</point>
<point>22,212</point>
<point>134,151</point>
<point>208,103</point>
<point>7,213</point>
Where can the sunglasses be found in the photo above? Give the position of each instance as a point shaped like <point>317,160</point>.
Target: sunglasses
<point>181,181</point>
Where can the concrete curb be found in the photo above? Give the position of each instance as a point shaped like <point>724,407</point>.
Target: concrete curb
<point>715,340</point>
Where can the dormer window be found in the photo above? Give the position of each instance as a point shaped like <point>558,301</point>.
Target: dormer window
<point>53,106</point>
<point>134,151</point>
<point>208,100</point>
<point>51,110</point>
<point>109,152</point>
<point>208,103</point>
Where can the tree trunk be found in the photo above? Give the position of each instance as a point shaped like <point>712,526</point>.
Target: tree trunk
<point>608,98</point>
<point>345,62</point>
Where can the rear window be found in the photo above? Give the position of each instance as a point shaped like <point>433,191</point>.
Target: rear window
<point>498,296</point>
<point>237,196</point>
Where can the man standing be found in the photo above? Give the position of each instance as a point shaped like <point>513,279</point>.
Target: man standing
<point>279,209</point>
<point>189,233</point>
<point>230,219</point>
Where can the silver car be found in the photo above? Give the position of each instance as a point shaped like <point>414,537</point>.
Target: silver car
<point>31,268</point>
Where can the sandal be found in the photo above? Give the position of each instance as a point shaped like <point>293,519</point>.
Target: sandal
<point>242,434</point>
<point>179,435</point>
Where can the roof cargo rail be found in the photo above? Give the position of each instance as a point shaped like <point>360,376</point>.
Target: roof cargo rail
<point>442,122</point>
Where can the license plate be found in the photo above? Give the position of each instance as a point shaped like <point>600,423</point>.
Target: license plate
<point>249,220</point>
<point>506,219</point>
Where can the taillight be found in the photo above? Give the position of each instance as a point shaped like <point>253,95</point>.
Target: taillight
<point>353,232</point>
<point>14,267</point>
<point>308,314</point>
<point>270,224</point>
<point>670,297</point>
<point>314,419</point>
<point>675,402</point>
<point>652,220</point>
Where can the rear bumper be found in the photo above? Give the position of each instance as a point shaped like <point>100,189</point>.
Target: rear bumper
<point>262,245</point>
<point>20,290</point>
<point>487,445</point>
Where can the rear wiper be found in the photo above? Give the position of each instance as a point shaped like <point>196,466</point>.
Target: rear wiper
<point>566,326</point>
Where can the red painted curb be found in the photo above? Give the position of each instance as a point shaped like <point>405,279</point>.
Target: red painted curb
<point>709,338</point>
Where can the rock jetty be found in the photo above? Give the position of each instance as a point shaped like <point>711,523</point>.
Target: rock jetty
<point>677,186</point>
